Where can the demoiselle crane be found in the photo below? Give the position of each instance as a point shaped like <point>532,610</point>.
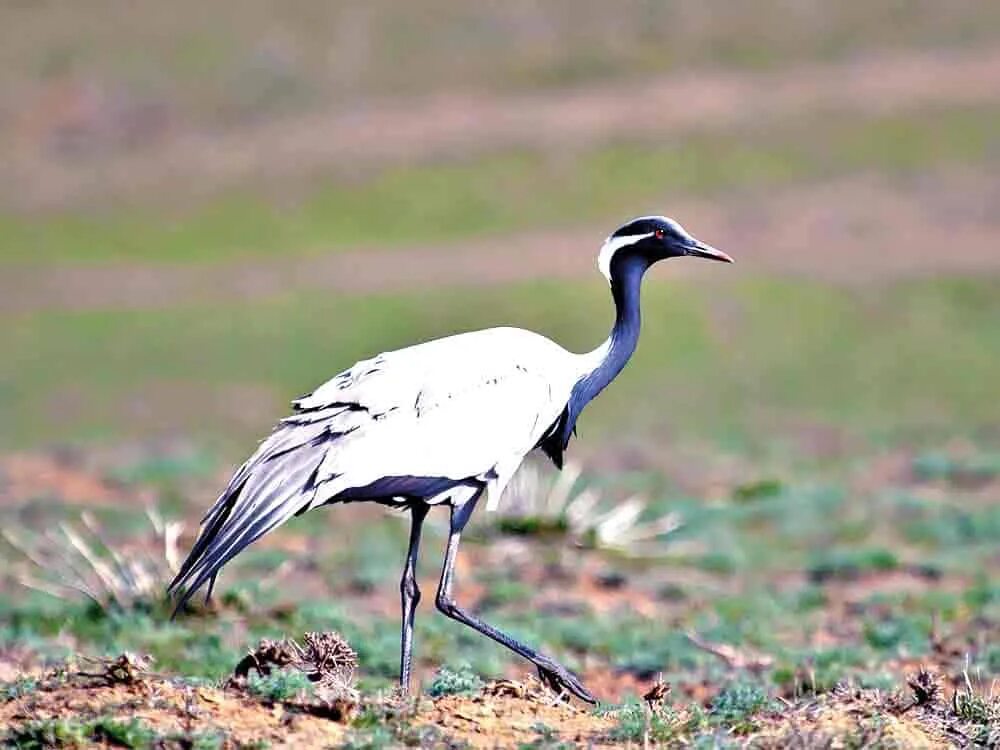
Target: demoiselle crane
<point>439,423</point>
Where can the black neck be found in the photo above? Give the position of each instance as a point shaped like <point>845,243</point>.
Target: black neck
<point>626,283</point>
<point>610,357</point>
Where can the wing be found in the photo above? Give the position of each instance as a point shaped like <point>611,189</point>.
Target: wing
<point>416,423</point>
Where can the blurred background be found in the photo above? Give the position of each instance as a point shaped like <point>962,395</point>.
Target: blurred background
<point>209,209</point>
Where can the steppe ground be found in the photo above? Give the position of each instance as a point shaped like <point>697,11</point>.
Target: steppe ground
<point>206,213</point>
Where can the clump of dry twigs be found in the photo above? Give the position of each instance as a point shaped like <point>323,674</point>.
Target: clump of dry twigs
<point>69,560</point>
<point>326,659</point>
<point>124,669</point>
<point>925,686</point>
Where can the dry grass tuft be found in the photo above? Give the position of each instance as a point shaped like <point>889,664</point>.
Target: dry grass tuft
<point>125,669</point>
<point>535,503</point>
<point>325,659</point>
<point>329,662</point>
<point>71,560</point>
<point>268,654</point>
<point>925,686</point>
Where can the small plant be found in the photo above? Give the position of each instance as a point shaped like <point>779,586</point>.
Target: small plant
<point>630,725</point>
<point>736,705</point>
<point>911,632</point>
<point>500,592</point>
<point>637,723</point>
<point>57,733</point>
<point>375,738</point>
<point>992,658</point>
<point>547,739</point>
<point>460,681</point>
<point>545,732</point>
<point>46,733</point>
<point>762,489</point>
<point>847,564</point>
<point>279,685</point>
<point>19,688</point>
<point>206,741</point>
<point>131,733</point>
<point>970,471</point>
<point>976,707</point>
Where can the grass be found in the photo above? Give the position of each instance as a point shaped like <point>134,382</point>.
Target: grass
<point>785,348</point>
<point>105,731</point>
<point>50,733</point>
<point>504,192</point>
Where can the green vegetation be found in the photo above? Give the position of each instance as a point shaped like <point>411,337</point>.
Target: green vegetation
<point>51,733</point>
<point>459,681</point>
<point>736,705</point>
<point>18,688</point>
<point>388,724</point>
<point>105,732</point>
<point>843,354</point>
<point>506,192</point>
<point>960,471</point>
<point>279,686</point>
<point>35,735</point>
<point>634,721</point>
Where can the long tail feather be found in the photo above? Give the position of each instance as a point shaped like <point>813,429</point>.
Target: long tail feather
<point>274,485</point>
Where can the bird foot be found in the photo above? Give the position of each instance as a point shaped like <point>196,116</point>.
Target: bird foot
<point>561,681</point>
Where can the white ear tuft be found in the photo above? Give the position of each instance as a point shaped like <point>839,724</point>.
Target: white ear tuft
<point>613,245</point>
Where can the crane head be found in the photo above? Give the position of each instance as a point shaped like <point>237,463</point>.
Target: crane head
<point>654,238</point>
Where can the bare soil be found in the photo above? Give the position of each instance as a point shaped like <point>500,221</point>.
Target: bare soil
<point>503,714</point>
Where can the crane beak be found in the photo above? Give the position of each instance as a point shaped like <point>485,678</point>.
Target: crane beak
<point>699,249</point>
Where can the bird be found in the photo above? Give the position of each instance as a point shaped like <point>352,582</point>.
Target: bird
<point>445,422</point>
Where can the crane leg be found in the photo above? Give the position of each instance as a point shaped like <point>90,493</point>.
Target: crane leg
<point>551,672</point>
<point>410,593</point>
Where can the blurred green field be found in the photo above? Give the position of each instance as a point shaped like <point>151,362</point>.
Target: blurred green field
<point>721,359</point>
<point>725,356</point>
<point>505,192</point>
<point>820,422</point>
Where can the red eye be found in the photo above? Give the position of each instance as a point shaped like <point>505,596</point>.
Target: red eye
<point>658,234</point>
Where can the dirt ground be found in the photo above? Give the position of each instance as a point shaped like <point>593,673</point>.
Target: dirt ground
<point>509,713</point>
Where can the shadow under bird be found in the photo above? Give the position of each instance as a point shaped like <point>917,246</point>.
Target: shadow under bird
<point>440,423</point>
